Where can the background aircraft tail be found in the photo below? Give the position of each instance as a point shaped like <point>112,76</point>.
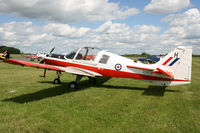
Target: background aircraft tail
<point>5,55</point>
<point>179,64</point>
<point>5,52</point>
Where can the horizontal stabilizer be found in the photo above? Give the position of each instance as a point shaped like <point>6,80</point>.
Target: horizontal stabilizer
<point>142,68</point>
<point>155,71</point>
<point>165,72</point>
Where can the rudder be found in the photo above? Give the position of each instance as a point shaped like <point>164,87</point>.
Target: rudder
<point>179,64</point>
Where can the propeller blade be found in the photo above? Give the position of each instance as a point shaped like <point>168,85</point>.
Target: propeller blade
<point>42,61</point>
<point>52,50</point>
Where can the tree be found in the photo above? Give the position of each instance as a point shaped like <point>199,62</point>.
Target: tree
<point>145,54</point>
<point>10,50</point>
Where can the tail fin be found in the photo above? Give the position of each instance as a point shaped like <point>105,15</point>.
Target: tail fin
<point>5,55</point>
<point>5,52</point>
<point>179,64</point>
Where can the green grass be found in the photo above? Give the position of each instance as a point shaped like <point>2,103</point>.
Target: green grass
<point>29,103</point>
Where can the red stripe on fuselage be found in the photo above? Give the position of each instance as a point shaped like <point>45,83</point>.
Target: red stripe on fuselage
<point>167,61</point>
<point>108,72</point>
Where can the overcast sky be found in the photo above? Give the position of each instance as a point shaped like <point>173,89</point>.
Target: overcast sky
<point>119,26</point>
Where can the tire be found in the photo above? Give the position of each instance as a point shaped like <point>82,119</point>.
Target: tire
<point>72,85</point>
<point>56,81</point>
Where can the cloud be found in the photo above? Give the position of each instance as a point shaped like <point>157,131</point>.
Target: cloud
<point>166,6</point>
<point>115,37</point>
<point>64,30</point>
<point>186,25</point>
<point>189,17</point>
<point>184,29</point>
<point>146,29</point>
<point>22,34</point>
<point>66,11</point>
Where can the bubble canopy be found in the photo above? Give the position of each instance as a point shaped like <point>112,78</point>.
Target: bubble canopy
<point>84,53</point>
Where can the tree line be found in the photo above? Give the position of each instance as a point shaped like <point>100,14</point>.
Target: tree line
<point>147,55</point>
<point>10,50</point>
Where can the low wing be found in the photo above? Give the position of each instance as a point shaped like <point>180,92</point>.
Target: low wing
<point>79,71</point>
<point>165,72</point>
<point>156,71</point>
<point>31,64</point>
<point>73,70</point>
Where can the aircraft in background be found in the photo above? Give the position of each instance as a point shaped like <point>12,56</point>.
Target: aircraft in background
<point>1,54</point>
<point>150,59</point>
<point>4,55</point>
<point>173,69</point>
<point>32,57</point>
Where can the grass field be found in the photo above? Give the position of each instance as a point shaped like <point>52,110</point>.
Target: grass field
<point>29,103</point>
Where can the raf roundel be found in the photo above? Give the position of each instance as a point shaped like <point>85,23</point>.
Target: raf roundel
<point>118,67</point>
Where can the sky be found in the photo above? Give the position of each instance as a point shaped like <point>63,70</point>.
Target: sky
<point>119,26</point>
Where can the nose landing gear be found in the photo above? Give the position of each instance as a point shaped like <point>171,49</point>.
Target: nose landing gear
<point>57,80</point>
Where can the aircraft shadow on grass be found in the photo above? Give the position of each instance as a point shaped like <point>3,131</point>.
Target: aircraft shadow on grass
<point>61,89</point>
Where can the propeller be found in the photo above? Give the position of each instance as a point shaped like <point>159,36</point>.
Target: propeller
<point>52,50</point>
<point>42,61</point>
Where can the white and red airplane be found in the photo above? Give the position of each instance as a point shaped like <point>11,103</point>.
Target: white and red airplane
<point>173,69</point>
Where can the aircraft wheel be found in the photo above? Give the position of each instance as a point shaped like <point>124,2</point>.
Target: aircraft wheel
<point>56,81</point>
<point>72,85</point>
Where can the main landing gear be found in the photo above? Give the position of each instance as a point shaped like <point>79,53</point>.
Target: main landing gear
<point>56,81</point>
<point>92,80</point>
<point>73,84</point>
